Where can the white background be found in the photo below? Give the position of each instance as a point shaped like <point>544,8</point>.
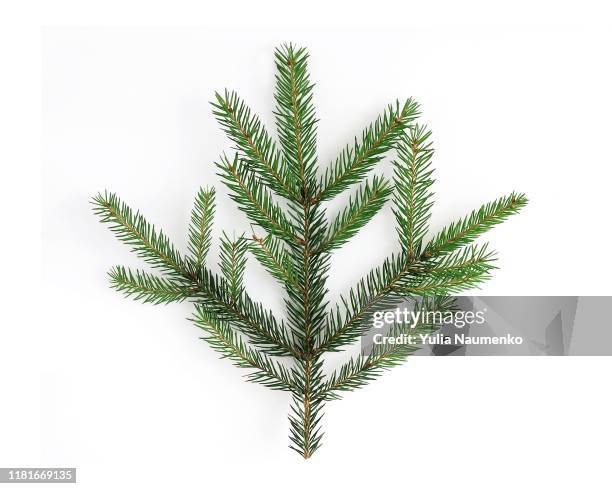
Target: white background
<point>130,396</point>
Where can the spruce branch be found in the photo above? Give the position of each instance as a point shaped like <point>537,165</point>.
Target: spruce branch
<point>277,187</point>
<point>257,147</point>
<point>295,116</point>
<point>362,206</point>
<point>307,408</point>
<point>223,339</point>
<point>306,313</point>
<point>354,162</point>
<point>232,261</point>
<point>379,290</point>
<point>413,199</point>
<point>252,197</point>
<point>398,277</point>
<point>201,224</point>
<point>148,288</point>
<point>134,230</point>
<point>296,127</point>
<point>467,229</point>
<point>474,257</point>
<point>245,315</point>
<point>271,253</point>
<point>361,370</point>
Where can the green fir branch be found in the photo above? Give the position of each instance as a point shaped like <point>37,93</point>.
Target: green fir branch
<point>232,260</point>
<point>361,370</point>
<point>223,339</point>
<point>398,277</point>
<point>295,116</point>
<point>307,303</point>
<point>252,197</point>
<point>412,198</point>
<point>277,187</point>
<point>307,408</point>
<point>379,290</point>
<point>354,162</point>
<point>306,313</point>
<point>148,288</point>
<point>258,149</point>
<point>245,315</point>
<point>133,229</point>
<point>202,217</point>
<point>296,127</point>
<point>475,257</point>
<point>361,208</point>
<point>270,252</point>
<point>467,229</point>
